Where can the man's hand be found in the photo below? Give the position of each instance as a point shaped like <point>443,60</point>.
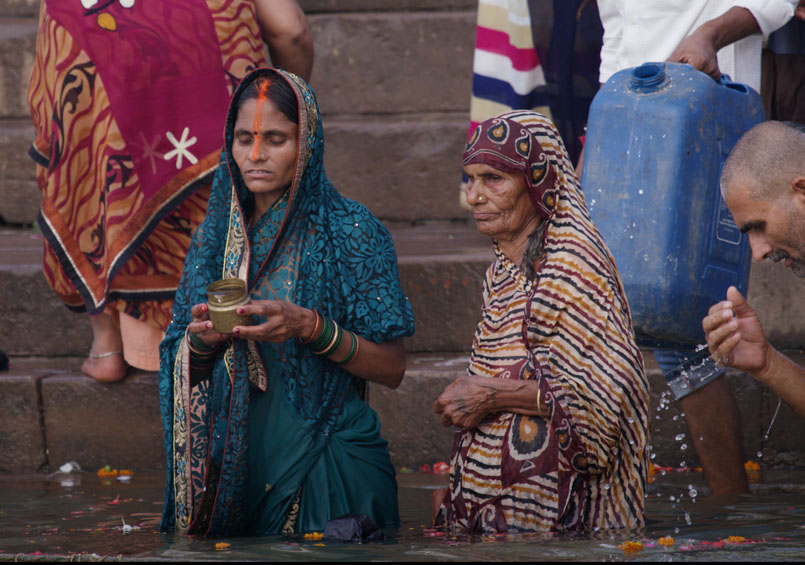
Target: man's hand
<point>699,51</point>
<point>735,336</point>
<point>700,47</point>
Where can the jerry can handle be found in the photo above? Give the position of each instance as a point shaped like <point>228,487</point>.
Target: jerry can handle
<point>726,81</point>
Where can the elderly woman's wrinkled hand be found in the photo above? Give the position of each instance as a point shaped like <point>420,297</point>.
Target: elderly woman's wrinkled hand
<point>465,402</point>
<point>202,327</point>
<point>284,320</point>
<point>734,334</point>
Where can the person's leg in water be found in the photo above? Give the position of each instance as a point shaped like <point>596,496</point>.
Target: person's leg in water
<point>714,426</point>
<point>105,361</point>
<point>711,416</point>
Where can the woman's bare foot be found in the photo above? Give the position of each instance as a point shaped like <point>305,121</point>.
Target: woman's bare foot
<point>105,362</point>
<point>107,367</point>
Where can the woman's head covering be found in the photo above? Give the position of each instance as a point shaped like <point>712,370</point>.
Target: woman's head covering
<point>511,143</point>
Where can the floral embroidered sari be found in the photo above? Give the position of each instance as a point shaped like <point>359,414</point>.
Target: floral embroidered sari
<point>278,439</point>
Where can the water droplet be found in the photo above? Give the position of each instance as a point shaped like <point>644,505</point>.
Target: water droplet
<point>672,498</point>
<point>640,191</point>
<point>688,521</point>
<point>630,420</point>
<point>693,493</point>
<point>653,455</point>
<point>679,437</point>
<point>675,418</point>
<point>759,454</point>
<point>683,447</point>
<point>676,530</point>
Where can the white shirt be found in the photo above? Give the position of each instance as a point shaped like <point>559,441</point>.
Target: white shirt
<point>641,31</point>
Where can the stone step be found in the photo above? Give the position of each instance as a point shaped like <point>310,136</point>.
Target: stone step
<point>370,160</point>
<point>19,8</point>
<point>51,414</point>
<point>431,54</point>
<point>441,270</point>
<point>442,265</point>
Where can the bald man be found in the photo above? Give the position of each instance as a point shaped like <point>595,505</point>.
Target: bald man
<point>763,184</point>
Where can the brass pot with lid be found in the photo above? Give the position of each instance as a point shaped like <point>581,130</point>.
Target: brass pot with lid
<point>224,297</point>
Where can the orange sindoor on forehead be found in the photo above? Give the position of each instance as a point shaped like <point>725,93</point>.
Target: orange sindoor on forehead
<point>262,95</point>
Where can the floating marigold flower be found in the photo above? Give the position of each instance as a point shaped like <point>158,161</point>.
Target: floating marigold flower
<point>222,545</point>
<point>314,536</point>
<point>667,541</point>
<point>631,546</point>
<point>107,472</point>
<point>736,539</point>
<point>752,466</point>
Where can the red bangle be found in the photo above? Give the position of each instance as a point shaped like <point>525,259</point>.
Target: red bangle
<point>315,329</point>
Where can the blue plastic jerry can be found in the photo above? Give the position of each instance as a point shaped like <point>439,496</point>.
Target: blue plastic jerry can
<point>657,138</point>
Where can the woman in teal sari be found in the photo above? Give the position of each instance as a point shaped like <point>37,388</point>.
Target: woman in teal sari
<point>266,430</point>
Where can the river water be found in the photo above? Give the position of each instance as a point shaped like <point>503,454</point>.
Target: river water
<point>81,517</point>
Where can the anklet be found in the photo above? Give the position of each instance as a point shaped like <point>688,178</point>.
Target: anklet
<point>102,355</point>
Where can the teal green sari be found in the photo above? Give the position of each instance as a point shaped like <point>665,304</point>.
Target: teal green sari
<point>279,440</point>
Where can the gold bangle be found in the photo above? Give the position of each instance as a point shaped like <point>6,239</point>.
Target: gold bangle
<point>315,328</point>
<point>539,396</point>
<point>335,342</point>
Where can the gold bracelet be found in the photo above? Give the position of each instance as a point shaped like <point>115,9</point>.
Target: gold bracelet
<point>539,396</point>
<point>335,342</point>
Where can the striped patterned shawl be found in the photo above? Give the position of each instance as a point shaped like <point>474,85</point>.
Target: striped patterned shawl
<point>584,466</point>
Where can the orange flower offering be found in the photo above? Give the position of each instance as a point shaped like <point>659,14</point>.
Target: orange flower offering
<point>752,471</point>
<point>631,546</point>
<point>735,539</point>
<point>126,473</point>
<point>314,536</point>
<point>667,541</point>
<point>107,473</point>
<point>652,472</point>
<point>222,545</point>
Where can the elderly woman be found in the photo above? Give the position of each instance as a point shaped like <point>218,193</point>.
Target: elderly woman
<point>265,428</point>
<point>551,420</point>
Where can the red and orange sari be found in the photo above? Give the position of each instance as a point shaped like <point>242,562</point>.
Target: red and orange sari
<point>127,100</point>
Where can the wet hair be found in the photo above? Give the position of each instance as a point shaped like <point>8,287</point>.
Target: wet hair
<point>765,160</point>
<point>275,88</point>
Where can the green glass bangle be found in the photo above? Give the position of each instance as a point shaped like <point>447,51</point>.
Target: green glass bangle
<point>325,336</point>
<point>198,346</point>
<point>334,344</point>
<point>352,350</point>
